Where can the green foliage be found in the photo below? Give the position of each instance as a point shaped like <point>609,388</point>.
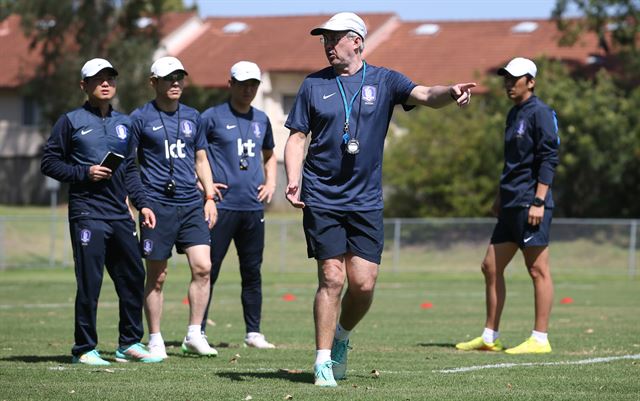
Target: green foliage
<point>202,98</point>
<point>600,148</point>
<point>448,162</point>
<point>69,32</point>
<point>615,22</point>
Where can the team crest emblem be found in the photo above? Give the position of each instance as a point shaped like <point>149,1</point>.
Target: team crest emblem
<point>147,246</point>
<point>255,128</point>
<point>187,128</point>
<point>521,128</point>
<point>369,94</point>
<point>121,131</point>
<point>85,236</point>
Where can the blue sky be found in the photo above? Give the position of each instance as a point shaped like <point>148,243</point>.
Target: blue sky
<point>406,9</point>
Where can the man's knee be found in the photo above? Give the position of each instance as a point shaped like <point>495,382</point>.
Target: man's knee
<point>538,271</point>
<point>201,270</point>
<point>488,268</point>
<point>332,276</point>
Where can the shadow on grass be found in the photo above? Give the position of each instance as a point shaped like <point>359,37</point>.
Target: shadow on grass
<point>301,377</point>
<point>178,344</point>
<point>439,345</point>
<point>38,358</point>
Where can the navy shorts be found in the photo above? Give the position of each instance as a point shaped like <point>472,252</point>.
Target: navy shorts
<point>513,227</point>
<point>183,226</point>
<point>332,233</point>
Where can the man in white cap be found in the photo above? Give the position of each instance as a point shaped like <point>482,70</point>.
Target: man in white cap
<point>244,165</point>
<point>346,108</point>
<point>523,205</point>
<point>171,153</point>
<point>81,142</point>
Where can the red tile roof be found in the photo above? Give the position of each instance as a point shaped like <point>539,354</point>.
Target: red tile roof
<point>459,51</point>
<point>171,21</point>
<point>274,43</point>
<point>18,61</point>
<point>466,51</point>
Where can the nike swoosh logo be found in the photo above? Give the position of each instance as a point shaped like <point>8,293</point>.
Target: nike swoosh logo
<point>156,128</point>
<point>528,239</point>
<point>230,126</point>
<point>261,220</point>
<point>325,97</point>
<point>135,233</point>
<point>83,132</point>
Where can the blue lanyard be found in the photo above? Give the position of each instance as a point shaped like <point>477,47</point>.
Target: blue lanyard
<point>349,107</point>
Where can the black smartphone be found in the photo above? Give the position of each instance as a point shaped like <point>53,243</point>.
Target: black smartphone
<point>112,160</point>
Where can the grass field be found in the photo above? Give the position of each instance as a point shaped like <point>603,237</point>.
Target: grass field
<point>408,345</point>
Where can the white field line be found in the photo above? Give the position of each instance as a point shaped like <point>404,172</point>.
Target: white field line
<point>527,364</point>
<point>238,369</point>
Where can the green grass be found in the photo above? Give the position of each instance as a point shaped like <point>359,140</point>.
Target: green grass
<point>406,344</point>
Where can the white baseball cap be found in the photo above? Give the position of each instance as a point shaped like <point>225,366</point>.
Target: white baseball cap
<point>342,22</point>
<point>165,66</point>
<point>94,66</point>
<point>518,67</point>
<point>245,70</point>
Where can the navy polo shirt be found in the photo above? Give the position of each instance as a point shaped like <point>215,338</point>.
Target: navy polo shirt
<point>229,134</point>
<point>159,136</point>
<point>531,144</point>
<point>332,178</point>
<point>80,139</point>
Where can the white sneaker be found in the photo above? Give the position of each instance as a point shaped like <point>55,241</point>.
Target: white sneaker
<point>257,340</point>
<point>198,345</point>
<point>158,350</point>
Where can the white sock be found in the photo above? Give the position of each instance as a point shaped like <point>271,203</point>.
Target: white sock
<point>194,330</point>
<point>323,355</point>
<point>490,336</point>
<point>539,336</point>
<point>341,333</point>
<point>155,338</point>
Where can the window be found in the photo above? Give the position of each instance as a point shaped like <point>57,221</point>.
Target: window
<point>30,111</point>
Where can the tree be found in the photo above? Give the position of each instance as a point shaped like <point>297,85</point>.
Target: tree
<point>202,98</point>
<point>615,22</point>
<point>68,32</point>
<point>448,162</point>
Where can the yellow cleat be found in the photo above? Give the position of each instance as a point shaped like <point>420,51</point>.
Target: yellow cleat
<point>478,344</point>
<point>530,346</point>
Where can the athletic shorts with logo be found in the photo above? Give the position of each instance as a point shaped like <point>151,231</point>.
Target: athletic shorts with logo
<point>183,226</point>
<point>331,233</point>
<point>513,226</point>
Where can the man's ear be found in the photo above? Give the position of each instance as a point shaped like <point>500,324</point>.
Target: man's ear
<point>531,83</point>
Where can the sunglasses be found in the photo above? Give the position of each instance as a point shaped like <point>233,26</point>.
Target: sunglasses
<point>178,76</point>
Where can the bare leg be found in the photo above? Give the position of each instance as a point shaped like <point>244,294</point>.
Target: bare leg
<point>495,262</point>
<point>153,297</point>
<point>331,276</point>
<point>200,263</point>
<point>537,260</point>
<point>361,276</point>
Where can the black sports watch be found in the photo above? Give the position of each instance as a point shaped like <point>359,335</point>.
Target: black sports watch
<point>537,202</point>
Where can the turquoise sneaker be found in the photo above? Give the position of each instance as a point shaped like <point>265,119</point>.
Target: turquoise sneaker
<point>324,374</point>
<point>339,352</point>
<point>136,352</point>
<point>91,358</point>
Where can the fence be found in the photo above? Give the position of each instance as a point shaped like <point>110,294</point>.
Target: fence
<point>581,246</point>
